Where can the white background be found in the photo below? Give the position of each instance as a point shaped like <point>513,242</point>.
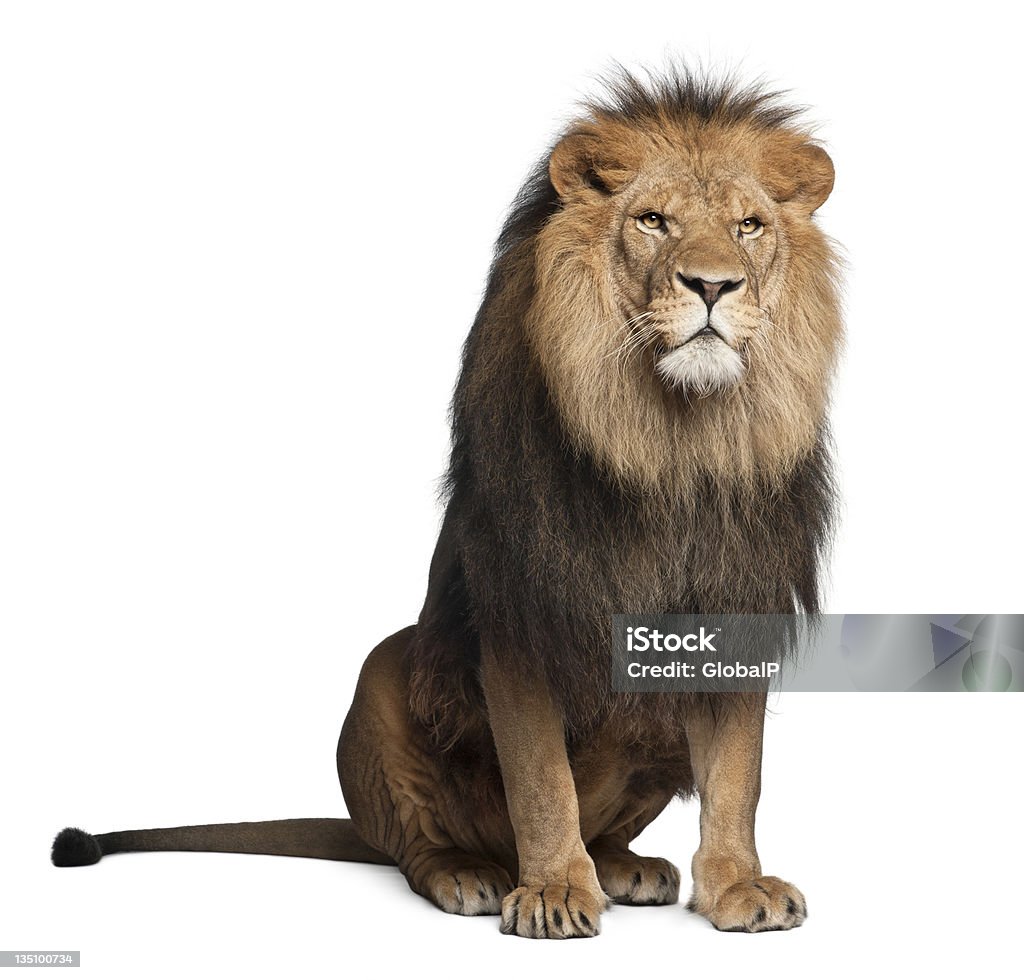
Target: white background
<point>240,247</point>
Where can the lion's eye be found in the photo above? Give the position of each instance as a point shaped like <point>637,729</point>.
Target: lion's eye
<point>751,227</point>
<point>652,220</point>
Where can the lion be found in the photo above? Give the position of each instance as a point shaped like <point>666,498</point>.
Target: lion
<point>640,424</point>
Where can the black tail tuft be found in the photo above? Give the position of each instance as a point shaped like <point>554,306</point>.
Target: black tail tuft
<point>73,847</point>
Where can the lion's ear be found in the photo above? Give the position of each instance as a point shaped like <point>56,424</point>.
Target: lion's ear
<point>803,174</point>
<point>587,161</point>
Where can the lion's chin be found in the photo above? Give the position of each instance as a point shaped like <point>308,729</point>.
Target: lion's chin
<point>703,365</point>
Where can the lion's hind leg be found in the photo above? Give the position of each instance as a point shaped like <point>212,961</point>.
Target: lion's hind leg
<point>459,882</point>
<point>398,799</point>
<point>629,879</point>
<point>633,798</point>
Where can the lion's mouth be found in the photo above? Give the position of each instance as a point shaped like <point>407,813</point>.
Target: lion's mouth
<point>706,331</point>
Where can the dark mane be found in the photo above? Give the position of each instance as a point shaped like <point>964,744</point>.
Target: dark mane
<point>533,205</point>
<point>679,93</point>
<point>538,548</point>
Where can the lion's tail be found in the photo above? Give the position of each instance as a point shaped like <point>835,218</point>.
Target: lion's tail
<point>330,839</point>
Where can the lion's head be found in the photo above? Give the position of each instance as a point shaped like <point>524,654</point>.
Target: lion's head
<point>685,310</point>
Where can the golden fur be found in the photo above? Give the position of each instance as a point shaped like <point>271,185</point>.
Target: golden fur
<point>614,405</point>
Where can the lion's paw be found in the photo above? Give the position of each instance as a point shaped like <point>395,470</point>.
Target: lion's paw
<point>762,905</point>
<point>633,880</point>
<point>470,890</point>
<point>553,912</point>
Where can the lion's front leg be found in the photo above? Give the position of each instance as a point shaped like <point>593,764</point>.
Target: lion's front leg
<point>728,888</point>
<point>559,896</point>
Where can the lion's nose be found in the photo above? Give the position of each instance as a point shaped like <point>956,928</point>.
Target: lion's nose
<point>710,290</point>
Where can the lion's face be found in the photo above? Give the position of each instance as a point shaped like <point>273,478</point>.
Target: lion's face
<point>691,257</point>
<point>684,260</point>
